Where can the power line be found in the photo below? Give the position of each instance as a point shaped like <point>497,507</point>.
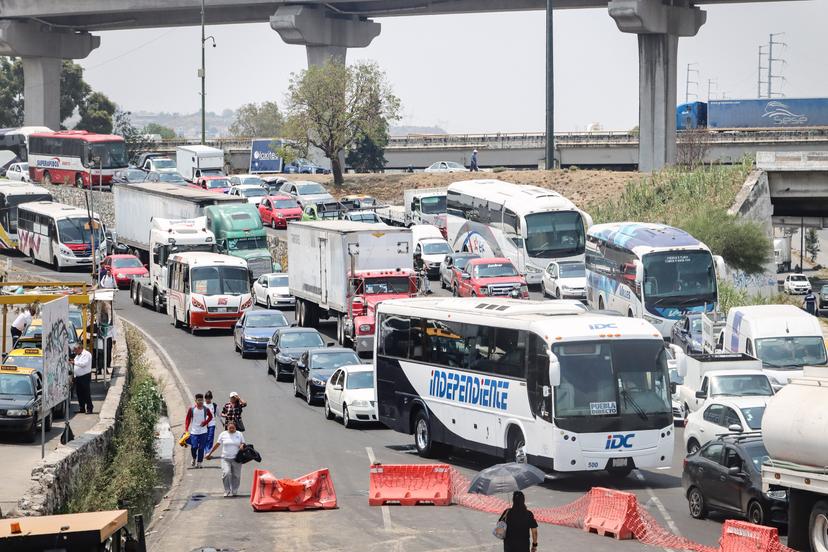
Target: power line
<point>119,56</point>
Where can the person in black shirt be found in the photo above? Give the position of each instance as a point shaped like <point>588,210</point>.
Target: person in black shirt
<point>809,302</point>
<point>520,522</point>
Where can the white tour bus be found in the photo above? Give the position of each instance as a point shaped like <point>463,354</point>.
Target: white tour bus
<point>59,234</point>
<point>530,225</point>
<point>13,194</point>
<point>649,271</point>
<point>207,290</point>
<point>544,382</point>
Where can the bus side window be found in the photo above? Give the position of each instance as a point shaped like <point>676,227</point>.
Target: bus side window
<point>185,276</point>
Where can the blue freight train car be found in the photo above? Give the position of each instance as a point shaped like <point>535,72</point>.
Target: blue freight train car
<point>762,113</point>
<point>691,115</point>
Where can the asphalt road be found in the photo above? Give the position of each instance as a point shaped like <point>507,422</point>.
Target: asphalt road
<point>295,439</point>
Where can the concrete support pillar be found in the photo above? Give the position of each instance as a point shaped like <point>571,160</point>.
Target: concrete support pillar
<point>318,55</point>
<point>42,50</point>
<point>41,91</point>
<point>658,26</point>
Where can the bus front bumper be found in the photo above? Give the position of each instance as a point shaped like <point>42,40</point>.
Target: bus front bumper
<point>655,454</point>
<point>211,320</point>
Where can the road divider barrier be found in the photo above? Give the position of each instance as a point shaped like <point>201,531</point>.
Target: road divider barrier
<point>409,484</point>
<point>741,536</point>
<point>313,491</point>
<point>611,512</point>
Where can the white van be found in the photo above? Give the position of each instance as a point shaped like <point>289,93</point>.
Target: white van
<point>785,338</point>
<point>429,242</point>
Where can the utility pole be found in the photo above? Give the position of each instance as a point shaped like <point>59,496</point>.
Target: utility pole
<point>759,81</point>
<point>202,75</point>
<point>691,68</point>
<point>771,59</point>
<point>550,90</point>
<point>710,84</point>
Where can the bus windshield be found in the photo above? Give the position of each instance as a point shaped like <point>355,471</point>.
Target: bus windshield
<point>112,154</point>
<point>601,378</point>
<point>219,280</point>
<point>791,352</point>
<point>677,278</point>
<point>433,205</point>
<point>554,234</point>
<point>76,230</point>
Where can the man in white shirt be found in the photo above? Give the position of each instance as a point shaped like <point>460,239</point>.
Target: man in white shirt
<point>21,323</point>
<point>83,378</point>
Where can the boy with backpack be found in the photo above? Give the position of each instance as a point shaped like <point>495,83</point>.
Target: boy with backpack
<point>197,422</point>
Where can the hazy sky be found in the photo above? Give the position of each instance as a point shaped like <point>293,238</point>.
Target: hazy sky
<point>473,73</point>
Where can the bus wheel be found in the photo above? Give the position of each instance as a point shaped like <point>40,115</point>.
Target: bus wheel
<point>156,301</point>
<point>600,303</point>
<point>176,323</point>
<point>32,258</point>
<point>516,447</point>
<point>47,178</point>
<point>423,435</point>
<point>630,314</point>
<point>56,264</point>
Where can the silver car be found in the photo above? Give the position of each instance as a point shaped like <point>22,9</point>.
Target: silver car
<point>306,192</point>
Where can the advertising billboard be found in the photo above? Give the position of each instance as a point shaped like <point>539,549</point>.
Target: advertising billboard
<point>263,156</point>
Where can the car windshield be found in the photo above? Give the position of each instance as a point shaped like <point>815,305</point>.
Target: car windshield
<point>554,234</point>
<point>461,262</point>
<point>253,192</point>
<point>753,416</point>
<point>247,243</point>
<point>301,340</point>
<point>454,165</point>
<point>172,177</point>
<point>757,452</point>
<point>824,289</point>
<point>135,175</point>
<point>219,280</point>
<point>313,188</point>
<point>14,384</point>
<point>127,263</point>
<point>572,270</point>
<point>76,230</point>
<point>791,352</point>
<point>265,319</point>
<point>35,362</point>
<point>798,278</point>
<point>164,164</point>
<point>741,385</point>
<point>603,378</point>
<point>360,380</point>
<point>433,205</point>
<point>364,217</point>
<point>436,248</point>
<point>494,270</point>
<point>285,204</point>
<point>331,361</point>
<point>252,180</point>
<point>218,183</point>
<point>394,284</point>
<point>679,278</point>
<point>277,281</point>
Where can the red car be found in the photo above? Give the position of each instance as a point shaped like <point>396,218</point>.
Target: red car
<point>278,210</point>
<point>124,268</point>
<point>220,184</point>
<point>492,277</point>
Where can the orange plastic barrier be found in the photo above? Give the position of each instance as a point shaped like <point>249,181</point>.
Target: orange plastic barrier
<point>408,485</point>
<point>739,536</point>
<point>312,491</point>
<point>611,512</point>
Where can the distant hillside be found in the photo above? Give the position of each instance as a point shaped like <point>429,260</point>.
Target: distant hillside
<point>410,129</point>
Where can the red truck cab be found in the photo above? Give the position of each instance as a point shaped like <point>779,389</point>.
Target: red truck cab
<point>368,289</point>
<point>492,277</point>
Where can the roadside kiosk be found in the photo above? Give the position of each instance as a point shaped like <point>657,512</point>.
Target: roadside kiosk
<point>85,532</point>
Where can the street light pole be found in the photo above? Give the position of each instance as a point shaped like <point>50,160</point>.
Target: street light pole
<point>202,75</point>
<point>550,91</point>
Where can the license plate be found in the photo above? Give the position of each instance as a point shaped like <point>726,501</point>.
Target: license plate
<point>619,462</point>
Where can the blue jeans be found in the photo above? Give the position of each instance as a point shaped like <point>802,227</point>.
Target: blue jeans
<point>197,443</point>
<point>211,437</point>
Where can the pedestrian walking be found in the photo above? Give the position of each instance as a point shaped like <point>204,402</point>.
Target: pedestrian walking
<point>21,323</point>
<point>82,373</point>
<point>198,418</point>
<point>232,411</point>
<point>107,280</point>
<point>473,164</point>
<point>231,441</point>
<point>211,426</point>
<point>520,524</point>
<point>809,302</point>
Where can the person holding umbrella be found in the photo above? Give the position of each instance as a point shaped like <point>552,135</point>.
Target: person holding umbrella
<point>520,523</point>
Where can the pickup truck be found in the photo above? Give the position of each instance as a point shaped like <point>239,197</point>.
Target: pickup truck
<point>492,277</point>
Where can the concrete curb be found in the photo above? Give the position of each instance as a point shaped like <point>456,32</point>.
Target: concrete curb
<point>52,477</point>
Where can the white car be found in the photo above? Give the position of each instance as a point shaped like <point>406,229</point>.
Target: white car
<point>722,416</point>
<point>349,394</point>
<point>565,280</point>
<point>18,171</point>
<point>433,252</point>
<point>272,290</point>
<point>253,193</point>
<point>446,167</point>
<point>796,284</point>
<point>238,179</point>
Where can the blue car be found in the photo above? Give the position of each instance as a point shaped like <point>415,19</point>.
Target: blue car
<point>254,329</point>
<point>303,166</point>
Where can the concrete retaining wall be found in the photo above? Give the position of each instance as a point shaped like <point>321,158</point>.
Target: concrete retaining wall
<point>53,477</point>
<point>70,195</point>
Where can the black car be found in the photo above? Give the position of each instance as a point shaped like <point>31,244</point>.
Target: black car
<point>254,330</point>
<point>687,333</point>
<point>285,347</point>
<point>725,475</point>
<point>314,368</point>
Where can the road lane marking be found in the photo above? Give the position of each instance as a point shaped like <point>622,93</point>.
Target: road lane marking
<point>662,510</point>
<point>386,513</point>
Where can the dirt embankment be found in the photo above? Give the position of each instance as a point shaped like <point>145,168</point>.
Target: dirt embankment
<point>581,186</point>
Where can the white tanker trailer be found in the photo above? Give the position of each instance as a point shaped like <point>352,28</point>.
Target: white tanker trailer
<point>795,433</point>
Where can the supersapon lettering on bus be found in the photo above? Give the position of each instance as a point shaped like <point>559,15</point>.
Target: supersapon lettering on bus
<point>469,389</point>
<point>52,163</point>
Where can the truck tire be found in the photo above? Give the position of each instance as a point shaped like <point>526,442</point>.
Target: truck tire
<point>818,527</point>
<point>300,313</point>
<point>311,315</point>
<point>136,294</point>
<point>156,301</point>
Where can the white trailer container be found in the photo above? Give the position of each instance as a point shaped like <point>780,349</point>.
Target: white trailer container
<point>793,429</point>
<point>196,161</point>
<point>782,253</point>
<point>342,269</point>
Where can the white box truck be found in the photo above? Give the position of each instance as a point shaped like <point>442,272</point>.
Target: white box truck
<point>793,430</point>
<point>196,161</point>
<point>782,253</point>
<point>705,376</point>
<point>343,269</point>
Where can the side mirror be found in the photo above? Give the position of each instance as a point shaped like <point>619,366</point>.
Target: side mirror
<point>554,369</point>
<point>331,344</point>
<point>466,276</point>
<point>639,270</point>
<point>735,470</point>
<point>701,395</point>
<point>734,428</point>
<point>238,324</point>
<point>547,391</point>
<point>337,387</point>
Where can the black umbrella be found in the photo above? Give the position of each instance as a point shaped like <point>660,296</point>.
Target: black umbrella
<point>506,478</point>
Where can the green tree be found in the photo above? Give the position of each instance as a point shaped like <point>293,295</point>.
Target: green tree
<point>742,244</point>
<point>368,154</point>
<point>73,89</point>
<point>258,120</point>
<point>96,113</point>
<point>135,139</point>
<point>812,243</point>
<point>166,133</point>
<point>333,105</point>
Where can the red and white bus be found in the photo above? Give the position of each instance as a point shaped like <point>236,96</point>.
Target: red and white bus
<point>207,290</point>
<point>75,157</point>
<point>59,234</point>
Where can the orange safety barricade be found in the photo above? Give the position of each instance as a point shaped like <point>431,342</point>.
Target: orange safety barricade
<point>408,485</point>
<point>312,491</point>
<point>738,536</point>
<point>611,512</point>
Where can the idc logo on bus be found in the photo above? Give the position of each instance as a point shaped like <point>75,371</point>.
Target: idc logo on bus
<point>52,163</point>
<point>615,442</point>
<point>603,326</point>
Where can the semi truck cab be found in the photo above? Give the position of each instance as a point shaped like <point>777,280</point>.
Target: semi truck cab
<point>367,290</point>
<point>239,232</point>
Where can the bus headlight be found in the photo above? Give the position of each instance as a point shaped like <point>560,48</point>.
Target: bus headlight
<point>532,268</point>
<point>65,250</point>
<point>653,321</point>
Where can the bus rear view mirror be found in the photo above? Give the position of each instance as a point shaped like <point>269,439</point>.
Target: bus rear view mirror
<point>554,370</point>
<point>639,271</point>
